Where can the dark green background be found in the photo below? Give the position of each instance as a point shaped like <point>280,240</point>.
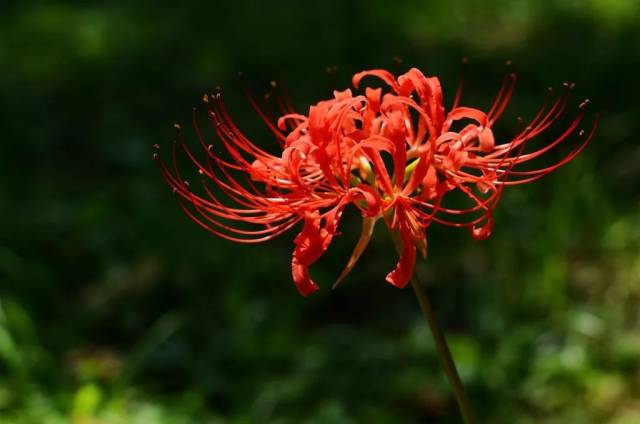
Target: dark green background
<point>115,308</point>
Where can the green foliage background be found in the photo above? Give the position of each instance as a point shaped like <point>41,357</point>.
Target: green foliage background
<point>114,308</point>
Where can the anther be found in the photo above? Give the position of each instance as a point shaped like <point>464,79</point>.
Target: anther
<point>584,104</point>
<point>581,133</point>
<point>464,60</point>
<point>186,183</point>
<point>550,89</point>
<point>200,171</point>
<point>205,99</point>
<point>177,127</point>
<point>156,146</point>
<point>210,147</point>
<point>508,62</point>
<point>156,156</point>
<point>273,84</point>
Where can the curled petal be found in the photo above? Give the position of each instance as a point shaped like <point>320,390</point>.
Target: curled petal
<point>385,76</point>
<point>403,271</point>
<point>342,95</point>
<point>373,96</point>
<point>300,273</point>
<point>311,243</point>
<point>487,142</point>
<point>290,116</point>
<point>312,240</point>
<point>428,89</point>
<point>370,198</point>
<point>467,112</point>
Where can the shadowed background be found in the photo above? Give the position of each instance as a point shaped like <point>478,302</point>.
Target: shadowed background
<point>114,308</point>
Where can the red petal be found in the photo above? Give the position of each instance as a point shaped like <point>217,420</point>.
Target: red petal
<point>468,112</point>
<point>342,95</point>
<point>304,283</point>
<point>311,242</point>
<point>370,197</point>
<point>385,76</point>
<point>428,89</point>
<point>401,275</point>
<point>487,141</point>
<point>373,96</point>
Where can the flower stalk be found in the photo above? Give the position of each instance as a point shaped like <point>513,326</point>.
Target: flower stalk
<point>444,355</point>
<point>442,348</point>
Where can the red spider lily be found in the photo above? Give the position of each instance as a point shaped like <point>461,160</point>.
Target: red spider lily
<point>392,153</point>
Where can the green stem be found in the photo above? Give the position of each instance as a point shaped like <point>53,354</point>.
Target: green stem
<point>443,352</point>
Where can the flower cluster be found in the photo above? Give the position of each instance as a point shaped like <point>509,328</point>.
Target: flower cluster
<point>394,153</point>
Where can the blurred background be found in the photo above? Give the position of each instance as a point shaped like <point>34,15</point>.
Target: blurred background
<point>115,308</point>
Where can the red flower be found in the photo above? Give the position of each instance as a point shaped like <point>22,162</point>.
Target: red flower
<point>392,153</point>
